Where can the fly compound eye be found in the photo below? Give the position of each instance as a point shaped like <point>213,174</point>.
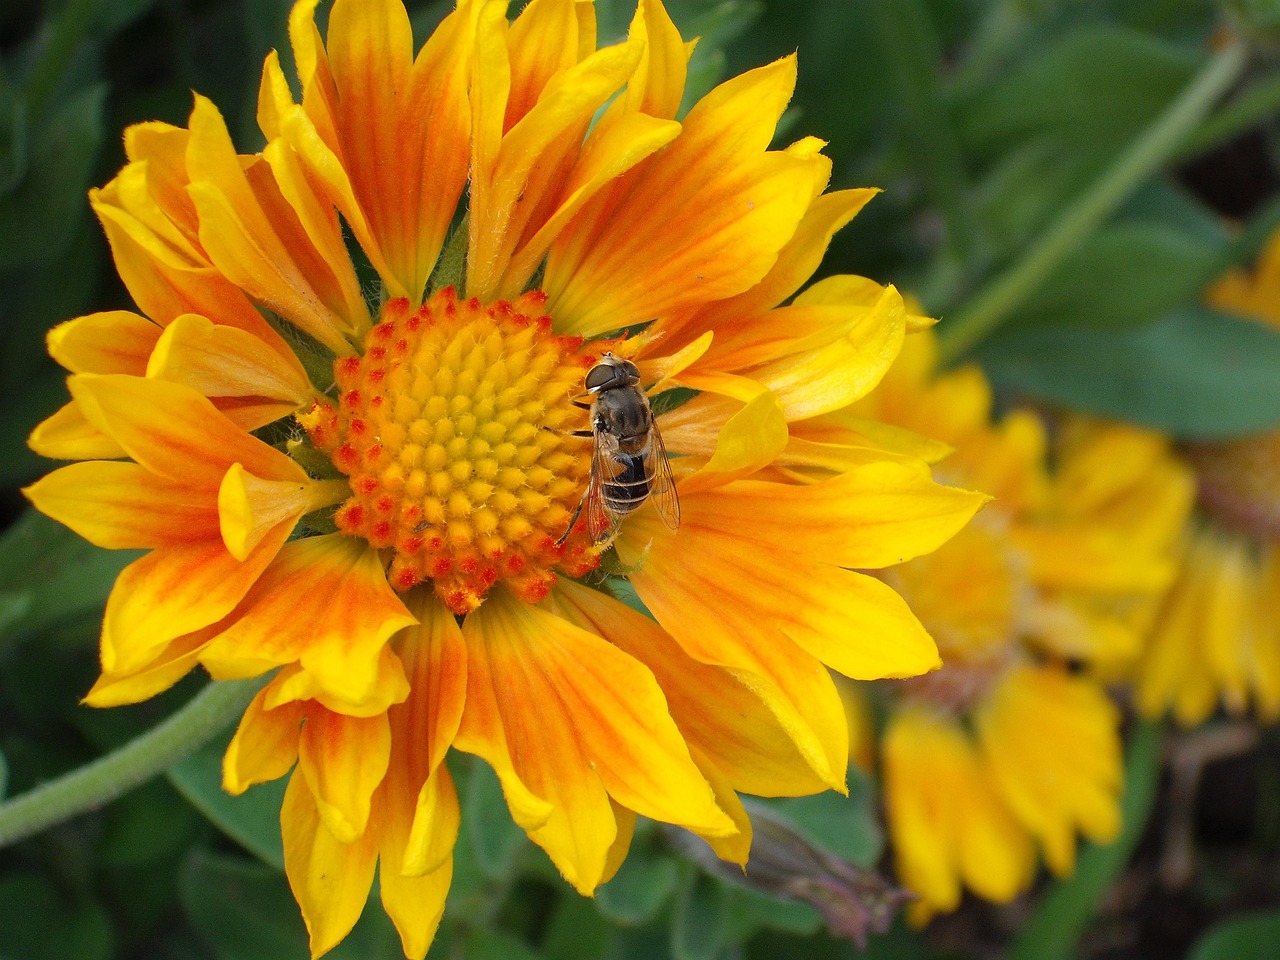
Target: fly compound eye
<point>601,376</point>
<point>628,371</point>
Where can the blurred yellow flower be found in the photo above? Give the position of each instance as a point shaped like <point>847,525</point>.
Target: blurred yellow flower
<point>1216,641</point>
<point>375,499</point>
<point>1012,747</point>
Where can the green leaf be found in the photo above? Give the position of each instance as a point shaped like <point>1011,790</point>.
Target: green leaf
<point>1068,91</point>
<point>149,824</point>
<point>242,909</point>
<point>751,911</point>
<point>81,931</point>
<point>1253,937</point>
<point>1194,373</point>
<point>1127,274</point>
<point>576,930</point>
<point>495,838</point>
<point>700,925</point>
<point>49,576</point>
<point>251,819</point>
<point>1044,132</point>
<point>640,889</point>
<point>113,17</point>
<point>245,911</point>
<point>39,217</point>
<point>13,137</point>
<point>490,945</point>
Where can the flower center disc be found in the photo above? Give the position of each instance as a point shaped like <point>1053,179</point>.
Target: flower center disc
<point>452,429</point>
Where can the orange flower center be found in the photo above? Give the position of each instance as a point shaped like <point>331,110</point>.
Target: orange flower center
<point>452,428</point>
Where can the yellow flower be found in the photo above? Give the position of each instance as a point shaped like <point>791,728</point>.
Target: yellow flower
<point>376,499</point>
<point>1007,749</point>
<point>1216,640</point>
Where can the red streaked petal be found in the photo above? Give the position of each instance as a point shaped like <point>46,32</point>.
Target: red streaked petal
<point>175,432</point>
<point>601,724</point>
<point>173,591</point>
<point>796,263</point>
<point>508,193</point>
<point>165,287</point>
<point>874,515</point>
<point>223,361</point>
<point>116,341</point>
<point>171,665</point>
<point>404,126</point>
<point>295,684</point>
<point>658,243</point>
<point>736,847</point>
<point>750,439</point>
<point>710,611</point>
<point>658,86</point>
<point>435,660</point>
<point>122,506</point>
<point>344,760</point>
<point>265,745</point>
<point>614,145</point>
<point>324,603</point>
<point>720,717</point>
<point>67,435</point>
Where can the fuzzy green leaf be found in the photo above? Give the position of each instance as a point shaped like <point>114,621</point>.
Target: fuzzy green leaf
<point>1193,373</point>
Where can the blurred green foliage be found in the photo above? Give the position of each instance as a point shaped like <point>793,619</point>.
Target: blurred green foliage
<point>982,120</point>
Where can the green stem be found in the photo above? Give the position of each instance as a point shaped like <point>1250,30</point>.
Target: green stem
<point>101,781</point>
<point>1259,102</point>
<point>1160,141</point>
<point>1070,905</point>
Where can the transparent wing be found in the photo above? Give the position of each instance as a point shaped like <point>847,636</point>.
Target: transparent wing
<point>662,489</point>
<point>602,522</point>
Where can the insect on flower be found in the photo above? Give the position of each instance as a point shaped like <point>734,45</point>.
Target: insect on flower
<point>628,460</point>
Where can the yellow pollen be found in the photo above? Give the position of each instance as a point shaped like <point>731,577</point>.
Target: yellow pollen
<point>451,426</point>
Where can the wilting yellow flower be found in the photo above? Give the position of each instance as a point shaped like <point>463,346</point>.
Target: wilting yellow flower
<point>1216,640</point>
<point>1007,749</point>
<point>375,499</point>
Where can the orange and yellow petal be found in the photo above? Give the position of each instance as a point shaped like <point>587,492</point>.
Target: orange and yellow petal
<point>265,744</point>
<point>949,827</point>
<point>659,247</point>
<point>402,124</point>
<point>521,163</point>
<point>1076,785</point>
<point>174,431</point>
<point>330,879</point>
<point>343,760</point>
<point>176,590</point>
<point>603,731</point>
<point>414,898</point>
<point>341,648</point>
<point>1201,649</point>
<point>121,506</point>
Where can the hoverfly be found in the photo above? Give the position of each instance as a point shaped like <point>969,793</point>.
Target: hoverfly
<point>628,460</point>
